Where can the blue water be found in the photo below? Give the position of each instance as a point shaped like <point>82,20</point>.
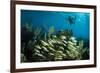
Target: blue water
<point>46,19</point>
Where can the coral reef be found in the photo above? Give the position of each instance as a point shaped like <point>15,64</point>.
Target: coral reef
<point>39,47</point>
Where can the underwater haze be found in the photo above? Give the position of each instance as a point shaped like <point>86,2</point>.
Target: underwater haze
<point>45,19</point>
